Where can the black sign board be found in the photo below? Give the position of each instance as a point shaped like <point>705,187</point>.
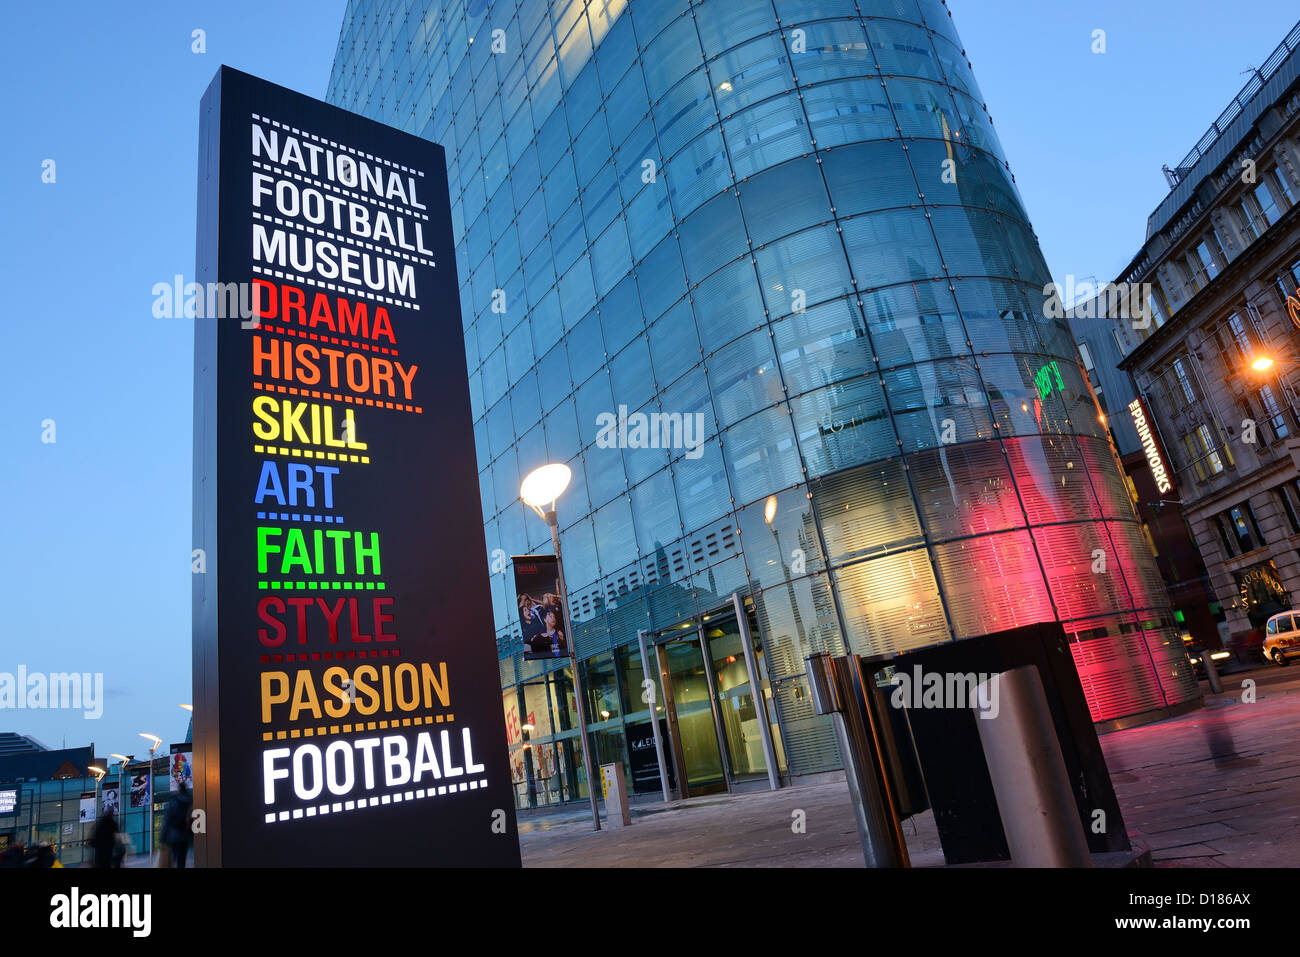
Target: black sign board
<point>643,761</point>
<point>347,704</point>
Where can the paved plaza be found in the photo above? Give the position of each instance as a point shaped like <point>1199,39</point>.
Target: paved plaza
<point>1218,787</point>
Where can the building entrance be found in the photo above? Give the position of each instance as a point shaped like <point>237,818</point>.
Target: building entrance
<point>714,716</point>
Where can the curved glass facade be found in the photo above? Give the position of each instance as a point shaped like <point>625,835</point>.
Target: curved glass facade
<point>792,224</point>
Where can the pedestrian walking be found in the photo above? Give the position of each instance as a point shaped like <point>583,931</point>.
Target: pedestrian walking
<point>176,825</point>
<point>104,839</point>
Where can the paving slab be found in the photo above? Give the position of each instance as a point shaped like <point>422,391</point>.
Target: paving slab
<point>1217,787</point>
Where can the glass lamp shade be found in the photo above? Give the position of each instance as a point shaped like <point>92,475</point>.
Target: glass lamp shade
<point>544,485</point>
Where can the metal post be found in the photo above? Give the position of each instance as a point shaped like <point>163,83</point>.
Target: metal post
<point>1035,799</point>
<point>152,797</point>
<point>553,522</point>
<point>1211,672</point>
<point>760,703</point>
<point>834,693</point>
<point>654,715</point>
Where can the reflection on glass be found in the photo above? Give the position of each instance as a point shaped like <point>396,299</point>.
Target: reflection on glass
<point>695,728</point>
<point>740,720</point>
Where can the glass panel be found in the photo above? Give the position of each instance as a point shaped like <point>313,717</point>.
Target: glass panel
<point>713,235</point>
<point>992,583</point>
<point>779,534</point>
<point>761,455</point>
<point>803,270</point>
<point>691,699</point>
<point>891,604</point>
<point>766,134</point>
<point>601,688</point>
<point>784,200</point>
<point>844,425</point>
<point>965,490</point>
<point>736,705</point>
<point>728,304</point>
<point>749,73</point>
<point>743,378</point>
<point>866,511</point>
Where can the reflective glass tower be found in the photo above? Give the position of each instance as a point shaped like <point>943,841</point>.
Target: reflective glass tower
<point>791,225</point>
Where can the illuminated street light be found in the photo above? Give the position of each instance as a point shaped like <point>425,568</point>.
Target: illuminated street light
<point>539,491</point>
<point>99,773</point>
<point>543,486</point>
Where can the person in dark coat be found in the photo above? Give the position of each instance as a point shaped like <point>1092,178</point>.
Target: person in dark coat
<point>176,825</point>
<point>104,839</point>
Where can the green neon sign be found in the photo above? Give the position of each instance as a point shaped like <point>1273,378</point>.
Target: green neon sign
<point>1048,379</point>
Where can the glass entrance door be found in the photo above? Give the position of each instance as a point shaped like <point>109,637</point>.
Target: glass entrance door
<point>691,716</point>
<point>739,715</point>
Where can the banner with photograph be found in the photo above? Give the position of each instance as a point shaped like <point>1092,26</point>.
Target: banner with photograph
<point>541,612</point>
<point>182,767</point>
<point>141,785</point>
<point>110,799</point>
<point>87,806</point>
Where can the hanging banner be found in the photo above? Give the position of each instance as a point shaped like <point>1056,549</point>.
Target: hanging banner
<point>181,767</point>
<point>141,788</point>
<point>110,798</point>
<point>346,686</point>
<point>87,807</point>
<point>541,612</point>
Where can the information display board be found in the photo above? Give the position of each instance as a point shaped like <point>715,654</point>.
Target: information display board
<point>347,702</point>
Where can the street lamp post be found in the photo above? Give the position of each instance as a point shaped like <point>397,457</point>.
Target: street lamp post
<point>122,760</point>
<point>155,742</point>
<point>539,491</point>
<point>99,773</point>
<point>769,513</point>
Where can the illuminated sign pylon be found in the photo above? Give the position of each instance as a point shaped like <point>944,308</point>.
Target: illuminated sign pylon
<point>1151,447</point>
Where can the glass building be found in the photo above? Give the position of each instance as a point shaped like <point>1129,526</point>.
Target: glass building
<point>41,795</point>
<point>791,226</point>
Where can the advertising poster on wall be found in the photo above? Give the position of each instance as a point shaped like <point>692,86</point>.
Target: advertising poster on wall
<point>110,799</point>
<point>346,687</point>
<point>541,612</point>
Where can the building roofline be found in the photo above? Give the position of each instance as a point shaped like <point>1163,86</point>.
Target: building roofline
<point>1161,336</point>
<point>1226,133</point>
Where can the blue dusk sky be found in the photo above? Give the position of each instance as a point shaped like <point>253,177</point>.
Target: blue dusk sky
<point>95,550</point>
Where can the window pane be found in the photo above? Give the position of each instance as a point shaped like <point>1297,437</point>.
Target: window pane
<point>761,455</point>
<point>992,583</point>
<point>844,425</point>
<point>965,490</point>
<point>891,604</point>
<point>866,511</point>
<point>784,200</point>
